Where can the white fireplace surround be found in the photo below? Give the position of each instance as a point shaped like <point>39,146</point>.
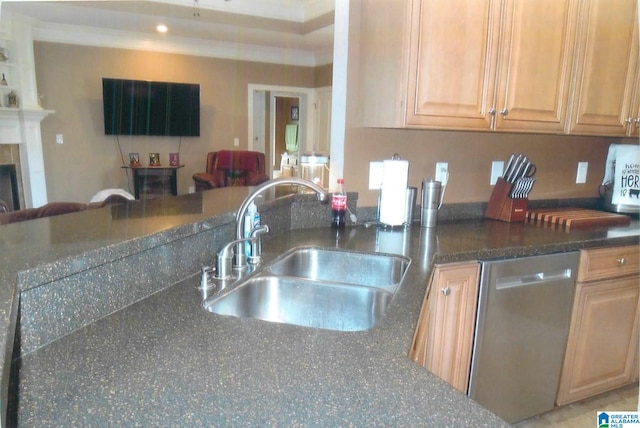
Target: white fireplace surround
<point>22,125</point>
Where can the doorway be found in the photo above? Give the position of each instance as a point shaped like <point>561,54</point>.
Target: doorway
<point>270,110</point>
<point>286,147</point>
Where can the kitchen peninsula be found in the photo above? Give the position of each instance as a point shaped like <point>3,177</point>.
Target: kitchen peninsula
<point>112,332</point>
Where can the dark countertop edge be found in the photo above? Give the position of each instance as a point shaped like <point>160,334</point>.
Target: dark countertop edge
<point>72,264</point>
<point>524,251</point>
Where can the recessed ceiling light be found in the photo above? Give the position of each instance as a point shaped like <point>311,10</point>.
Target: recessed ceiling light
<point>161,28</point>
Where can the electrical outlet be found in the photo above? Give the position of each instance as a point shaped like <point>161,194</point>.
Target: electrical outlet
<point>442,172</point>
<point>59,139</point>
<point>497,168</point>
<point>581,174</point>
<point>192,189</point>
<point>236,141</point>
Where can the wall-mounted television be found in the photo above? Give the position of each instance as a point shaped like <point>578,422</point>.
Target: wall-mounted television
<point>140,107</point>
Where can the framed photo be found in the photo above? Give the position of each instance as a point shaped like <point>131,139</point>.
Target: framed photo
<point>134,159</point>
<point>154,159</point>
<point>295,113</point>
<point>174,159</point>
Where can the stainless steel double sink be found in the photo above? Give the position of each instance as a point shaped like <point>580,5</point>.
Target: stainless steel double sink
<point>325,288</point>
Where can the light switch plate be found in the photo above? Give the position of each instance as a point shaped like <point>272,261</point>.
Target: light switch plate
<point>59,139</point>
<point>497,168</point>
<point>442,172</point>
<point>581,174</point>
<point>236,142</point>
<point>375,175</point>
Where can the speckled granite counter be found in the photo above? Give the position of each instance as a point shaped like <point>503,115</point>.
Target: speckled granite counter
<point>164,361</point>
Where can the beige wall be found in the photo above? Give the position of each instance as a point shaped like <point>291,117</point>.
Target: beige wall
<point>469,155</point>
<point>69,81</point>
<point>324,74</point>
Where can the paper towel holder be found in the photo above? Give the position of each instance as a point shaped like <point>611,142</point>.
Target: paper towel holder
<point>392,198</point>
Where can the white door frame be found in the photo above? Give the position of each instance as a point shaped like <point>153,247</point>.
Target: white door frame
<point>306,97</point>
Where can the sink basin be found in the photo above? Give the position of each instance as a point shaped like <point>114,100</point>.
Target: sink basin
<point>317,287</point>
<point>341,266</point>
<point>302,302</point>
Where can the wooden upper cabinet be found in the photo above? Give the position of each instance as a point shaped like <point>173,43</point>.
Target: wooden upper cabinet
<point>474,65</point>
<point>491,64</point>
<point>633,121</point>
<point>606,68</point>
<point>452,63</point>
<point>536,57</point>
<point>543,66</point>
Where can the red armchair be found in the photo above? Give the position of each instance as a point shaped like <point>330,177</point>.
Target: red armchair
<point>231,168</point>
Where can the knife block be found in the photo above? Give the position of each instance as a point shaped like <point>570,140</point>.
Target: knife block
<point>502,207</point>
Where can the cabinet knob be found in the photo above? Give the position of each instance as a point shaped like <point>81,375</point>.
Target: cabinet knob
<point>622,261</point>
<point>629,120</point>
<point>446,291</point>
<point>504,111</point>
<point>637,122</point>
<point>492,111</point>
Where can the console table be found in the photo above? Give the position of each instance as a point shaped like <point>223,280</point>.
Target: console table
<point>151,181</point>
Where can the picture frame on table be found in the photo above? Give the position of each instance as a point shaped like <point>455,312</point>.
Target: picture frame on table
<point>134,159</point>
<point>154,159</point>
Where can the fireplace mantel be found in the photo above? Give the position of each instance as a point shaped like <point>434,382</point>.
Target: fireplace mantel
<point>21,125</point>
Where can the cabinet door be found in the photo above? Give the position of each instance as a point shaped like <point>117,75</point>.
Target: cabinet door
<point>444,336</point>
<point>537,52</point>
<point>633,121</point>
<point>605,73</point>
<point>452,63</point>
<point>603,339</point>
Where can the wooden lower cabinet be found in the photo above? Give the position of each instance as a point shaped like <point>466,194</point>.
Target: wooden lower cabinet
<point>443,339</point>
<point>602,349</point>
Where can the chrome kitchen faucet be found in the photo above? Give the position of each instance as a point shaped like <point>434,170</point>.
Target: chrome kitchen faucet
<point>224,262</point>
<point>240,259</point>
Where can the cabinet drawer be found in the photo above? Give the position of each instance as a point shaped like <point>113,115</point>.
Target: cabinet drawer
<point>608,262</point>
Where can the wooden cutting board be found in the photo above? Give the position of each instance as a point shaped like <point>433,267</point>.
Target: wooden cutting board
<point>577,217</point>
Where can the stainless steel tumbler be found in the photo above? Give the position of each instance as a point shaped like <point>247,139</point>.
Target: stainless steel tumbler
<point>410,205</point>
<point>431,201</point>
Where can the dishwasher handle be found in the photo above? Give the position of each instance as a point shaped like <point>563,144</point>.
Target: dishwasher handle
<point>534,279</point>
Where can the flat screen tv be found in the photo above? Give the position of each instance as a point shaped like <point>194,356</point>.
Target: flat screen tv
<point>140,107</point>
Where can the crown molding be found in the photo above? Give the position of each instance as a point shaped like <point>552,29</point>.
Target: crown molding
<point>90,36</point>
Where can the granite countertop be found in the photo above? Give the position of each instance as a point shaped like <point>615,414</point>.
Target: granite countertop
<point>165,361</point>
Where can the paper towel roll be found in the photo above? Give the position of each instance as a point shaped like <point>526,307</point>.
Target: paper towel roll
<point>395,175</point>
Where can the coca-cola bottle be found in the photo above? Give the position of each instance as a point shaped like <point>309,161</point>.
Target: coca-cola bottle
<point>338,206</point>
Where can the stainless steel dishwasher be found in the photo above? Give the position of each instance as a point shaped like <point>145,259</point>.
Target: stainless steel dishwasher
<point>522,325</point>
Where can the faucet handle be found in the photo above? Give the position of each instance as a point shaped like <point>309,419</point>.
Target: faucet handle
<point>224,265</point>
<point>225,257</point>
<point>204,278</point>
<point>256,244</point>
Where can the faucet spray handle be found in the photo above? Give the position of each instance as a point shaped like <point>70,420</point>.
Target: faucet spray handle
<point>256,244</point>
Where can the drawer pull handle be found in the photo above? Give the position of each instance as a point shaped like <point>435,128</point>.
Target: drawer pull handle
<point>622,261</point>
<point>446,291</point>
